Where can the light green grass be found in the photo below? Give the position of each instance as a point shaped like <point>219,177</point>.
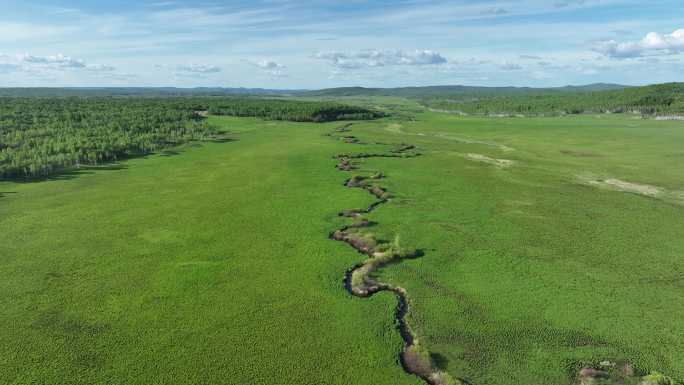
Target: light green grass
<point>209,267</point>
<point>213,266</point>
<point>529,273</point>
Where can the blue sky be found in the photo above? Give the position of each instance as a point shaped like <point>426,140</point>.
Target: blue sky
<point>329,43</point>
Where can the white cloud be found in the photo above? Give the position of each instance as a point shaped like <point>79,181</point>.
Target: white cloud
<point>286,32</point>
<point>198,68</point>
<point>100,68</point>
<point>508,66</point>
<point>271,67</point>
<point>41,68</point>
<point>32,63</point>
<point>652,44</point>
<point>376,58</point>
<point>58,60</point>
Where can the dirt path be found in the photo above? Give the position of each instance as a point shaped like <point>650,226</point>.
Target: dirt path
<point>414,358</point>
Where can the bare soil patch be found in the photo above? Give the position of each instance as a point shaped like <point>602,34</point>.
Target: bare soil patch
<point>629,187</point>
<point>503,163</point>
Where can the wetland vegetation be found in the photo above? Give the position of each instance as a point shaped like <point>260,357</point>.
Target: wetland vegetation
<point>280,245</point>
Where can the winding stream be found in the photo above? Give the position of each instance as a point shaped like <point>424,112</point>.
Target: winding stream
<point>414,359</point>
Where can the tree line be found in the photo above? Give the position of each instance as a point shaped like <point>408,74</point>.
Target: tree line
<point>298,111</point>
<point>649,100</point>
<point>43,136</point>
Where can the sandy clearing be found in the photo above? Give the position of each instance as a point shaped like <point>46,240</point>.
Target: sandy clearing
<point>646,190</point>
<point>503,163</point>
<point>629,187</point>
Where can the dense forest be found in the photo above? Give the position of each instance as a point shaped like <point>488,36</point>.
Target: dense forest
<point>298,111</point>
<point>661,99</point>
<point>39,137</point>
<point>43,136</point>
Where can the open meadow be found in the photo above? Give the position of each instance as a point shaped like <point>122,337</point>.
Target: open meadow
<point>525,249</point>
<point>366,192</point>
<point>208,264</point>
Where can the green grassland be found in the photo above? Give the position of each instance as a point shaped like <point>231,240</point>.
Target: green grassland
<point>213,265</point>
<point>529,273</point>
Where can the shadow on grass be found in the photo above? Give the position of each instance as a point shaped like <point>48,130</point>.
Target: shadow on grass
<point>62,175</point>
<point>71,173</point>
<point>440,360</point>
<point>3,194</point>
<point>106,167</point>
<point>222,140</point>
<point>369,224</point>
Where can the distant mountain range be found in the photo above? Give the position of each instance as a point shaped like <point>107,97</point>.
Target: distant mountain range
<point>411,92</point>
<point>142,91</point>
<point>445,91</point>
<point>664,100</point>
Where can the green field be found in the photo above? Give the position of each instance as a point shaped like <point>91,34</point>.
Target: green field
<point>530,272</point>
<point>212,266</point>
<point>549,244</point>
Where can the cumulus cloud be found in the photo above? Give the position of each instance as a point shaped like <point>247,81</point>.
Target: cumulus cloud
<point>651,45</point>
<point>508,66</point>
<point>100,68</point>
<point>198,68</point>
<point>269,65</point>
<point>42,67</point>
<point>29,63</point>
<point>376,58</point>
<point>58,60</point>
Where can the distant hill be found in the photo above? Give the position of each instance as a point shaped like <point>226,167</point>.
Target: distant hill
<point>407,92</point>
<point>141,91</point>
<point>658,99</point>
<point>446,91</point>
<point>592,87</point>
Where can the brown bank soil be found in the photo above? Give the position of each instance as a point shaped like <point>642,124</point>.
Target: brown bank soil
<point>359,280</point>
